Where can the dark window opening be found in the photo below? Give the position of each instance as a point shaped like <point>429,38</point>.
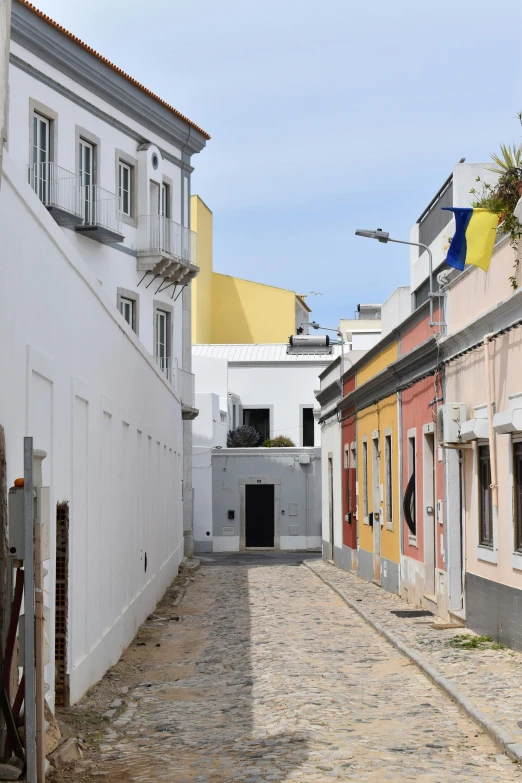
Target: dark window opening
<point>259,418</point>
<point>517,474</point>
<point>485,504</point>
<point>308,427</point>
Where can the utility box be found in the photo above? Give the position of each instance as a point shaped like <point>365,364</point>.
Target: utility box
<point>16,523</point>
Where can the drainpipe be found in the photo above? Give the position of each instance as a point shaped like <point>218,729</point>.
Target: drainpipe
<point>492,449</point>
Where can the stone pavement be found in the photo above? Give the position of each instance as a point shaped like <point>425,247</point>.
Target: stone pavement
<point>488,678</point>
<point>271,677</point>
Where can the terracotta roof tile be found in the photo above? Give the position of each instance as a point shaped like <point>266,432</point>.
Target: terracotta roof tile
<point>107,62</point>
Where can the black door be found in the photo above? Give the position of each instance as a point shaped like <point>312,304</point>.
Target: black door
<point>259,515</point>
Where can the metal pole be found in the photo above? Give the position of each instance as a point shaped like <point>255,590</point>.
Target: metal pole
<point>431,294</point>
<point>29,664</point>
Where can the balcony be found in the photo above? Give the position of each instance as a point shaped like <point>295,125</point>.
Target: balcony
<point>58,190</point>
<point>101,215</point>
<point>166,249</point>
<point>186,389</point>
<point>89,209</point>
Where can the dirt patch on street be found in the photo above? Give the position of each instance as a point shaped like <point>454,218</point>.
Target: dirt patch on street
<point>156,655</point>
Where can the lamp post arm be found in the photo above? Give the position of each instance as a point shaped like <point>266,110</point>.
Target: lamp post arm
<point>430,268</point>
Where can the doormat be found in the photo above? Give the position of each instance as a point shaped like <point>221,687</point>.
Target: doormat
<point>412,613</point>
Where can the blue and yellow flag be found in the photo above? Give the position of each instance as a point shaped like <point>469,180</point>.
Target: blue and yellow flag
<point>474,237</point>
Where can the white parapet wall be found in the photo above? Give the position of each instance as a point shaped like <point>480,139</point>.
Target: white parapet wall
<point>77,379</point>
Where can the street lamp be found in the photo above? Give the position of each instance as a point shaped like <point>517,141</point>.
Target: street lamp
<point>339,333</point>
<point>383,236</point>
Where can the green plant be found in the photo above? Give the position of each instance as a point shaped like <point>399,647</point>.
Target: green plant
<point>466,641</point>
<point>243,437</point>
<point>510,158</point>
<point>501,199</point>
<point>278,441</point>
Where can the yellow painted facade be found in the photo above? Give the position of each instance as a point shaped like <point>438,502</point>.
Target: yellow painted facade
<point>374,425</point>
<point>378,363</point>
<point>201,223</point>
<point>247,312</point>
<point>229,309</point>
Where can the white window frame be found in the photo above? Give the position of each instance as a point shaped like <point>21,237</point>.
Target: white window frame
<point>412,465</point>
<point>388,478</point>
<point>516,556</point>
<point>164,200</point>
<point>124,295</point>
<point>365,488</point>
<point>40,172</point>
<point>122,166</point>
<point>484,553</point>
<point>127,305</point>
<point>160,340</point>
<point>86,180</point>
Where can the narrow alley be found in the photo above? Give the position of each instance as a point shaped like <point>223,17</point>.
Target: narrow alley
<point>267,675</point>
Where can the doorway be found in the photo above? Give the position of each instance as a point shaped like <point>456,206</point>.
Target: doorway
<point>331,505</point>
<point>430,532</point>
<point>259,515</point>
<point>376,501</point>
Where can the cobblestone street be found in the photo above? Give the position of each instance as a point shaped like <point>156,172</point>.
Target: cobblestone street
<point>271,677</point>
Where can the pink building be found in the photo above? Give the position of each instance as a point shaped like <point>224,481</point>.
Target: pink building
<point>480,304</point>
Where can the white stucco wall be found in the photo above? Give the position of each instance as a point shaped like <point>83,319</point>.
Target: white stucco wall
<point>111,267</point>
<point>83,386</point>
<point>464,179</point>
<point>284,388</point>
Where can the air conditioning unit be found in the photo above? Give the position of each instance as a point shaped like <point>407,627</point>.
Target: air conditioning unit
<point>449,418</point>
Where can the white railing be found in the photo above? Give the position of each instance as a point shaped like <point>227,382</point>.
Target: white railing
<point>186,387</point>
<point>165,365</point>
<point>158,234</point>
<point>56,187</point>
<point>100,207</point>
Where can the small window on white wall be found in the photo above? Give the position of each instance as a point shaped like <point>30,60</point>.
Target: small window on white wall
<point>127,310</point>
<point>124,188</point>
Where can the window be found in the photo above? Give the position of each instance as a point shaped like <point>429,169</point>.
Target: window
<point>388,479</point>
<point>160,341</point>
<point>365,478</point>
<point>128,303</point>
<point>163,314</point>
<point>124,188</point>
<point>517,482</point>
<point>126,309</point>
<point>164,207</point>
<point>259,419</point>
<point>234,416</point>
<point>85,171</point>
<point>41,156</point>
<point>409,506</point>
<point>485,499</point>
<point>308,427</point>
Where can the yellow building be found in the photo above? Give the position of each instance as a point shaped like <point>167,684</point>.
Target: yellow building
<point>378,481</point>
<point>229,309</point>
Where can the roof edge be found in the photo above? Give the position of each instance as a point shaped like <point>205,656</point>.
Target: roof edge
<point>52,23</point>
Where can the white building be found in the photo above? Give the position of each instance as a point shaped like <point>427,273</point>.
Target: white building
<point>364,330</point>
<point>95,314</point>
<point>274,391</point>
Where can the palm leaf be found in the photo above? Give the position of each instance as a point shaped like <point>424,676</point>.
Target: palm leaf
<point>510,158</point>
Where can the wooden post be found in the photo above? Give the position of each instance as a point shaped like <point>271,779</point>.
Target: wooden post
<point>39,653</point>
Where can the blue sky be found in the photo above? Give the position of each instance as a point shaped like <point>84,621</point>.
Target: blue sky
<point>324,117</point>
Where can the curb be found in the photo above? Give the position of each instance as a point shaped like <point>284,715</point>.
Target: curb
<point>498,734</point>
